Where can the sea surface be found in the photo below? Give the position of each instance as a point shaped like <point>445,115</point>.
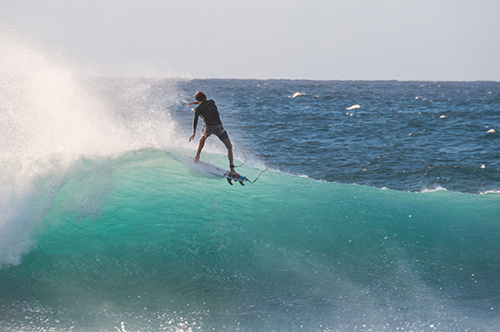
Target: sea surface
<point>380,210</point>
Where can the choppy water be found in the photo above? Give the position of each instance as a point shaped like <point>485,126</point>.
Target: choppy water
<point>408,136</point>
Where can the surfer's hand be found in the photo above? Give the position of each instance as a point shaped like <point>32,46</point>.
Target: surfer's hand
<point>192,103</point>
<point>192,137</point>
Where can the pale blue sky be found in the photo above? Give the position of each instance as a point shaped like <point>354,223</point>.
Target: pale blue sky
<point>291,39</point>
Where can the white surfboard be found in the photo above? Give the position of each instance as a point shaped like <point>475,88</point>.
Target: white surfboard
<point>202,166</point>
<point>221,172</point>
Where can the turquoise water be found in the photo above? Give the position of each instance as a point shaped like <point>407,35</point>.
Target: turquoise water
<point>138,243</point>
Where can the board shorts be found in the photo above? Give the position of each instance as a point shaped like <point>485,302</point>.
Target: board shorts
<point>217,130</point>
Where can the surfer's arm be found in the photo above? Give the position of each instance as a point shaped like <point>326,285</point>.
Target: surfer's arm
<point>195,123</point>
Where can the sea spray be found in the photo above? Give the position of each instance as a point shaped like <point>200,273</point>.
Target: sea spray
<point>50,119</point>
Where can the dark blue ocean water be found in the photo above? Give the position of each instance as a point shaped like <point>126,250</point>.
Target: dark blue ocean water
<point>409,136</point>
<point>380,211</point>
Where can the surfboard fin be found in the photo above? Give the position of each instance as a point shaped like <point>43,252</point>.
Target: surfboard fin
<point>229,180</point>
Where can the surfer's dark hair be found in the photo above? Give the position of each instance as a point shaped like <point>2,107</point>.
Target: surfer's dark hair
<point>200,96</point>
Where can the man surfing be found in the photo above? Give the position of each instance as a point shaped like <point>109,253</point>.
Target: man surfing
<point>212,125</point>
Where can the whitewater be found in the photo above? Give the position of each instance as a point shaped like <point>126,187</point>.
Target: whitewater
<point>380,211</point>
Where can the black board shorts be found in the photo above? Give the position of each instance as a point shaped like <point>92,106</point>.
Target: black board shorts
<point>217,130</point>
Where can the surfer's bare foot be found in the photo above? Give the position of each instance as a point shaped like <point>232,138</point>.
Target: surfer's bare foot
<point>196,159</point>
<point>232,172</point>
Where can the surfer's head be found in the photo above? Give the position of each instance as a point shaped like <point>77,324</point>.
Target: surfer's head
<point>200,96</point>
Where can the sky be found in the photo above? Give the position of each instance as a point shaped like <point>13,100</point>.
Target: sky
<point>437,40</point>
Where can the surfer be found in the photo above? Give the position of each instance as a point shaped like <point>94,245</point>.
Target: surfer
<point>212,125</point>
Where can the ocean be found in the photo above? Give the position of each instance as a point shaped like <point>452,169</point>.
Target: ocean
<point>380,212</point>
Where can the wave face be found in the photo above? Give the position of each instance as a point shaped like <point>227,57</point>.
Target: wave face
<point>104,228</point>
<point>140,243</point>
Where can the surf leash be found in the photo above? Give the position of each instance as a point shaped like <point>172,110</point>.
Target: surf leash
<point>258,156</point>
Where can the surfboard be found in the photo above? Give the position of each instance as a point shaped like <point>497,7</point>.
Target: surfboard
<point>221,172</point>
<point>212,169</point>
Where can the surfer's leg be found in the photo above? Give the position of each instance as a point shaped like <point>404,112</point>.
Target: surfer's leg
<point>201,144</point>
<point>229,146</point>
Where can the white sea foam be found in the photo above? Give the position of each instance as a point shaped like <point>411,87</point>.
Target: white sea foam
<point>490,192</point>
<point>298,94</point>
<point>353,107</point>
<point>438,188</point>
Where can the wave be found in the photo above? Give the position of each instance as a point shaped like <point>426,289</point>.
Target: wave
<point>140,242</point>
